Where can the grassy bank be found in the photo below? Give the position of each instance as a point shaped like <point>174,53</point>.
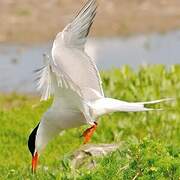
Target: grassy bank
<point>149,142</point>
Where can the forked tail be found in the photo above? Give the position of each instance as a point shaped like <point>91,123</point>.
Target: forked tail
<point>108,105</point>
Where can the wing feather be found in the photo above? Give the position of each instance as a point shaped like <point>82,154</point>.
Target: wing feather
<point>44,80</point>
<point>52,81</point>
<point>68,53</point>
<point>75,33</point>
<point>70,66</point>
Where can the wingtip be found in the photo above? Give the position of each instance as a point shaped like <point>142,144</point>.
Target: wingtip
<point>45,58</point>
<point>87,5</point>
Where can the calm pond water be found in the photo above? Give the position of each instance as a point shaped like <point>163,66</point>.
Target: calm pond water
<point>17,62</point>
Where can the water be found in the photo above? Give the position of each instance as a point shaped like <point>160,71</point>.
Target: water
<point>17,62</point>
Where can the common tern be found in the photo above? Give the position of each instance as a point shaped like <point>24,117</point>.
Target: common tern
<point>73,79</point>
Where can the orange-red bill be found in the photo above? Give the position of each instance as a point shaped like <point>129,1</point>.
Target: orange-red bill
<point>34,162</point>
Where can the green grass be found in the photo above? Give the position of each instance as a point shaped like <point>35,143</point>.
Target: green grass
<point>149,141</point>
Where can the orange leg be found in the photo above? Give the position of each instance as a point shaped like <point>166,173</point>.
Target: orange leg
<point>89,132</point>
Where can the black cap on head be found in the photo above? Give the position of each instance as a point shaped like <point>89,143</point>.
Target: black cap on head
<point>32,139</point>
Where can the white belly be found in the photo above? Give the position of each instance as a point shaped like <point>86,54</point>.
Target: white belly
<point>54,122</point>
<point>64,119</point>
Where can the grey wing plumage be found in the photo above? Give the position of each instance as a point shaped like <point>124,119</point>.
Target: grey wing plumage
<point>68,53</point>
<point>44,80</point>
<point>51,81</point>
<point>76,32</point>
<point>70,66</point>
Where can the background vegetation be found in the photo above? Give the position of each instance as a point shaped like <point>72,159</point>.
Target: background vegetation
<point>149,141</point>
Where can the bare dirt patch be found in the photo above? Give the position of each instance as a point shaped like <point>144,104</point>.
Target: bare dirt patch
<point>38,21</point>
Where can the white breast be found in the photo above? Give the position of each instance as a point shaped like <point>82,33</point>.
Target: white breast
<point>54,122</point>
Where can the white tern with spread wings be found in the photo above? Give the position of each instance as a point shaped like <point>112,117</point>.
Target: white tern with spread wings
<point>72,77</point>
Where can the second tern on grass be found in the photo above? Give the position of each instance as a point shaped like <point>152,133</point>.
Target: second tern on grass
<point>72,77</point>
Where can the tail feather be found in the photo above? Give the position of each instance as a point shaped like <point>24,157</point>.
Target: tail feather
<point>156,101</point>
<point>108,105</point>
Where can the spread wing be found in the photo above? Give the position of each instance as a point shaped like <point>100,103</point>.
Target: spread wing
<point>70,66</point>
<point>68,53</point>
<point>51,81</point>
<point>76,32</point>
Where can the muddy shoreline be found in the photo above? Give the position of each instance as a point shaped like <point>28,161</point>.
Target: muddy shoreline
<point>38,21</point>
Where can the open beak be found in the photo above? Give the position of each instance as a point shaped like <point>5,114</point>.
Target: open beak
<point>34,162</point>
